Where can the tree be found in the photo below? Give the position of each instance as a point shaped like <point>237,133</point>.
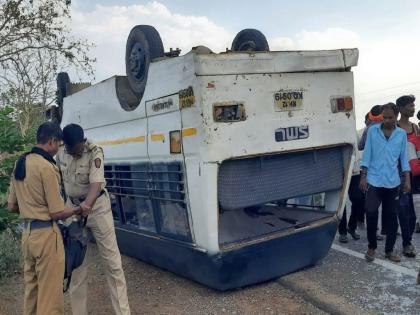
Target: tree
<point>35,42</point>
<point>32,25</point>
<point>29,87</point>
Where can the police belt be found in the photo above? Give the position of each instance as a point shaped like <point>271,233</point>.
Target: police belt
<point>78,200</point>
<point>34,224</point>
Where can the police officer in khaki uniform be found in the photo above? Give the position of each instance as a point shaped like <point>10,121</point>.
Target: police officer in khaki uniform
<point>82,166</point>
<point>34,193</point>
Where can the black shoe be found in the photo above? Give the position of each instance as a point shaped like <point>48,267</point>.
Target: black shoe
<point>409,251</point>
<point>370,255</point>
<point>343,238</point>
<point>354,235</point>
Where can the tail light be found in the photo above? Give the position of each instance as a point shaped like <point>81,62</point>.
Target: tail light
<point>228,112</point>
<point>341,104</point>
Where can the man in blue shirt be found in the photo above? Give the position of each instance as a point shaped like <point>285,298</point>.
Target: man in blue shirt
<point>386,145</point>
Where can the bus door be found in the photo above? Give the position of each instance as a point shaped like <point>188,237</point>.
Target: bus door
<point>167,178</point>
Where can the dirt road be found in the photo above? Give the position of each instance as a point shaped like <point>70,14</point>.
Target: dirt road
<point>342,283</point>
<point>154,291</point>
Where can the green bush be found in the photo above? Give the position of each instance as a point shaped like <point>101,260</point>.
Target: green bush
<point>11,139</point>
<point>11,145</point>
<point>8,221</point>
<point>11,142</point>
<point>6,168</point>
<point>10,255</point>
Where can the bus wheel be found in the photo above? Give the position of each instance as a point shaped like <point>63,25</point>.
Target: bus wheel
<point>250,40</point>
<point>63,82</point>
<point>143,45</point>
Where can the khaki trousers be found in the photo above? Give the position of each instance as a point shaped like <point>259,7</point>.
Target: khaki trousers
<point>43,258</point>
<point>102,227</point>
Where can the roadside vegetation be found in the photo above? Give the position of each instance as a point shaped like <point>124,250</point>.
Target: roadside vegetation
<point>11,144</point>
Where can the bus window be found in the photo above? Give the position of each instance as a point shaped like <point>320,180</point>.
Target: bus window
<point>137,205</point>
<point>128,188</point>
<point>138,212</point>
<point>115,207</point>
<point>169,196</point>
<point>112,189</point>
<point>174,218</point>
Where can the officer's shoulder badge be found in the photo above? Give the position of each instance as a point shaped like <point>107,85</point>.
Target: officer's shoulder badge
<point>98,162</point>
<point>96,149</point>
<point>91,146</point>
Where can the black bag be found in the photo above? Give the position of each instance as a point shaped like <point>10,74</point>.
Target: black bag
<point>75,246</point>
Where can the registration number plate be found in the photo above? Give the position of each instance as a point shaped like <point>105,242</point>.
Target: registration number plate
<point>288,100</point>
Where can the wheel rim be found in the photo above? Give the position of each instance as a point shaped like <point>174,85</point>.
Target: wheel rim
<point>137,61</point>
<point>247,46</point>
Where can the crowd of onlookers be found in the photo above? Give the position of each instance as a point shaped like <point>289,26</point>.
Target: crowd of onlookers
<point>387,177</point>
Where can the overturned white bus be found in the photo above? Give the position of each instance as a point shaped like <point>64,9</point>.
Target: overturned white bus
<point>207,154</point>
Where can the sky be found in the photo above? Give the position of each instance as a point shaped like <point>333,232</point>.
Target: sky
<point>387,34</point>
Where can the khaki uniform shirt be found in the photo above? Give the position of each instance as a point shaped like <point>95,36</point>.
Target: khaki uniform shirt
<point>78,173</point>
<point>38,194</point>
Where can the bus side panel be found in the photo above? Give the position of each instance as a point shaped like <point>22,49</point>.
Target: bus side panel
<point>202,177</point>
<point>122,142</point>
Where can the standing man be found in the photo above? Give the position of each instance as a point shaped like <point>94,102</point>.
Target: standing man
<point>372,118</point>
<point>406,213</point>
<point>82,166</point>
<point>416,191</point>
<point>386,145</point>
<point>35,194</point>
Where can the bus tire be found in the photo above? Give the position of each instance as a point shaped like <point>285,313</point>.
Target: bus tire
<point>143,45</point>
<point>250,40</point>
<point>63,82</point>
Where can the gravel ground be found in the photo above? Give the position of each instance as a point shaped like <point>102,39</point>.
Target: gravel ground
<point>154,291</point>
